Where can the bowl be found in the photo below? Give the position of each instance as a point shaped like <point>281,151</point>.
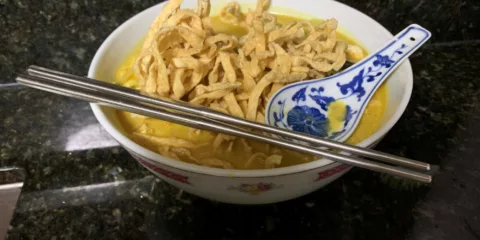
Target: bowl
<point>249,186</point>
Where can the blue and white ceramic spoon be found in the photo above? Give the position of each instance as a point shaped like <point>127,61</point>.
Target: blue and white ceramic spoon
<point>332,107</point>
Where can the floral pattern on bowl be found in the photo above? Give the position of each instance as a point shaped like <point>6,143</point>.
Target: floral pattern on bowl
<point>329,172</point>
<point>168,174</point>
<point>256,188</point>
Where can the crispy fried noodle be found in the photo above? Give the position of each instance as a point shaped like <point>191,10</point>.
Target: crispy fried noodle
<point>184,58</point>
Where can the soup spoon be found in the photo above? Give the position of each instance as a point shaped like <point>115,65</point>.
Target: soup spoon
<point>332,107</point>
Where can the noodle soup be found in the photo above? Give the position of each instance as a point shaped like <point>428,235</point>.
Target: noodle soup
<point>218,150</point>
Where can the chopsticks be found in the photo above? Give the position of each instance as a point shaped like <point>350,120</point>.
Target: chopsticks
<point>204,118</point>
<point>208,113</point>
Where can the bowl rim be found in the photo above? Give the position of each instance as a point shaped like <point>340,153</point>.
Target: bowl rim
<point>190,167</point>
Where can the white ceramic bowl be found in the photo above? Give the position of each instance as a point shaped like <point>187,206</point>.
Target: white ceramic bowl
<point>249,186</point>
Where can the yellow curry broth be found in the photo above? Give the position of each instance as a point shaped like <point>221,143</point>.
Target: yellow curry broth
<point>238,154</point>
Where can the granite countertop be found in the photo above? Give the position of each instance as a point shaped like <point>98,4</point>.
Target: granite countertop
<point>82,185</point>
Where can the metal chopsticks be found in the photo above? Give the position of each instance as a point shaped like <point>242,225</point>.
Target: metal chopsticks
<point>204,118</point>
<point>208,113</point>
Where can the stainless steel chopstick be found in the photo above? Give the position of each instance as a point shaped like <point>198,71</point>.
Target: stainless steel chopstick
<point>211,114</point>
<point>125,104</point>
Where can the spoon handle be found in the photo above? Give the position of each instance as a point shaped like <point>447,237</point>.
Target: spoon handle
<point>396,51</point>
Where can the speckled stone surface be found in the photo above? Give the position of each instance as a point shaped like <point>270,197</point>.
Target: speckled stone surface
<point>82,185</point>
<point>448,20</point>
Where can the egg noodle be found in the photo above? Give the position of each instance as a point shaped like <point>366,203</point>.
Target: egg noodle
<point>183,58</point>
